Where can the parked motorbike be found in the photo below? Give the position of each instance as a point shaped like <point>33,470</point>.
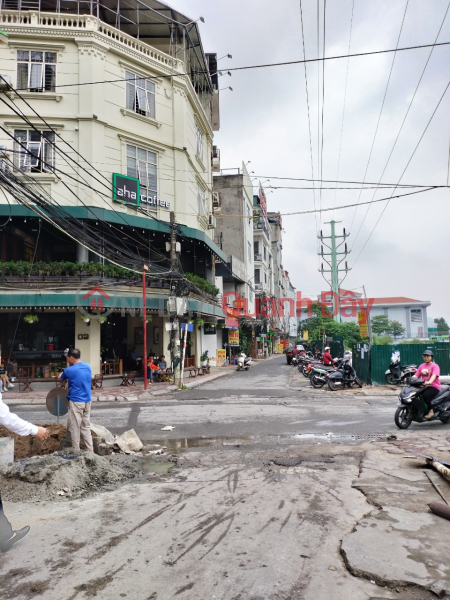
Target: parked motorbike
<point>344,376</point>
<point>319,373</point>
<point>413,408</point>
<point>398,374</point>
<point>244,362</point>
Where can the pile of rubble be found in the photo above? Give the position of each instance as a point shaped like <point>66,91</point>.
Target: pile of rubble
<point>67,474</point>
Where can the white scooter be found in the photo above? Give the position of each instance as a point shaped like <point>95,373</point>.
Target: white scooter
<point>244,362</point>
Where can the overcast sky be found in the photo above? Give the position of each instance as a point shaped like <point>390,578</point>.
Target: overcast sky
<point>265,121</point>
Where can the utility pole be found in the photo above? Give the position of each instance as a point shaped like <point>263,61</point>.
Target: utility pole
<point>369,324</point>
<point>335,263</point>
<point>175,337</point>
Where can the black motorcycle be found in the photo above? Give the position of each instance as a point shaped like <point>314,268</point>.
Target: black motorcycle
<point>399,374</point>
<point>344,376</point>
<point>413,408</point>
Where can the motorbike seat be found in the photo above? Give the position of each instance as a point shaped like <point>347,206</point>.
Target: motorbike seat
<point>442,392</point>
<point>409,366</point>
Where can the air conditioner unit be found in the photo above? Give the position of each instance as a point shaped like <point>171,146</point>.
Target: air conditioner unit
<point>5,81</point>
<point>211,222</point>
<point>216,200</point>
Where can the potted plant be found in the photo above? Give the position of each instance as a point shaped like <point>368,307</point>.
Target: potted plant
<point>102,320</point>
<point>221,324</point>
<point>204,358</point>
<point>31,319</point>
<point>147,319</point>
<point>85,318</point>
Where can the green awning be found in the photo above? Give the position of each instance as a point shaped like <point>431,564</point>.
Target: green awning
<point>110,216</point>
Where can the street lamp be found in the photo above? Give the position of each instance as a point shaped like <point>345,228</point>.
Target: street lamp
<point>226,88</point>
<point>224,56</point>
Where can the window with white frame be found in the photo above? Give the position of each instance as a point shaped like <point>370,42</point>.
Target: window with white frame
<point>249,251</point>
<point>416,315</point>
<point>201,198</point>
<point>199,134</point>
<point>257,276</point>
<point>141,95</point>
<point>36,71</point>
<point>34,150</point>
<point>265,278</point>
<point>142,165</point>
<point>265,253</point>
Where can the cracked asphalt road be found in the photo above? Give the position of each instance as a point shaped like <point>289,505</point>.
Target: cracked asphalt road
<point>249,512</point>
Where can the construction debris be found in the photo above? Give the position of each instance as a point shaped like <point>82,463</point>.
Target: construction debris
<point>440,467</point>
<point>442,510</point>
<point>168,428</point>
<point>129,442</point>
<point>103,434</point>
<point>436,487</point>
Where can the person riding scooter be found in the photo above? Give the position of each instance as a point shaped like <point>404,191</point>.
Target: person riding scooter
<point>429,372</point>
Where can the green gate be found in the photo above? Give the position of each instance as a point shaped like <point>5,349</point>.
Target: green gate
<point>361,362</point>
<point>410,354</point>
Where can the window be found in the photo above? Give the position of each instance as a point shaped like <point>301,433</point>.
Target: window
<point>416,315</point>
<point>265,253</point>
<point>41,153</point>
<point>140,95</point>
<point>256,247</point>
<point>199,135</point>
<point>257,276</point>
<point>36,71</point>
<point>141,164</point>
<point>249,252</point>
<point>201,197</point>
<point>265,278</point>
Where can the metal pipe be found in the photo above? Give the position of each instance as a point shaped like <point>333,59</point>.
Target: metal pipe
<point>443,470</point>
<point>436,487</point>
<point>440,509</point>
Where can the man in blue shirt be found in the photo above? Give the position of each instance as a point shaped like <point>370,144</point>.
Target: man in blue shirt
<point>79,375</point>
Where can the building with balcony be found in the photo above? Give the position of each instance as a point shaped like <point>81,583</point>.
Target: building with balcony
<point>105,130</point>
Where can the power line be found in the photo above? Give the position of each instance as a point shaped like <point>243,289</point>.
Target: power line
<point>306,212</point>
<point>323,99</point>
<point>345,99</point>
<point>261,66</point>
<point>404,120</point>
<point>380,113</point>
<point>407,165</point>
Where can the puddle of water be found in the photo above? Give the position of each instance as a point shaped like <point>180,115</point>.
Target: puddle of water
<point>149,466</point>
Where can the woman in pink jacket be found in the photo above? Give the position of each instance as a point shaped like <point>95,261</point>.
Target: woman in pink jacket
<point>429,372</point>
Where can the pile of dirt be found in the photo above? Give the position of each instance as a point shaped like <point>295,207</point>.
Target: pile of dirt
<point>61,475</point>
<point>26,446</point>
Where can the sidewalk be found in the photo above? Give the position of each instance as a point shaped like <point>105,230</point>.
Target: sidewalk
<point>132,393</point>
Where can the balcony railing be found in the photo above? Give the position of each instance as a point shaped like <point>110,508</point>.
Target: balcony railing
<point>87,23</point>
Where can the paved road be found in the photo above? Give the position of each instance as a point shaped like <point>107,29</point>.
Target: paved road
<point>272,399</point>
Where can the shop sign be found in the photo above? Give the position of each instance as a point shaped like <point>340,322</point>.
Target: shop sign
<point>238,304</point>
<point>232,322</point>
<point>125,189</point>
<point>221,354</point>
<point>280,348</point>
<point>362,322</point>
<point>233,337</point>
<point>209,329</point>
<point>190,326</point>
<point>305,335</point>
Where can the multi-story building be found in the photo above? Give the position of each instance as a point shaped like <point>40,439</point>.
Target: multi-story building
<point>103,126</point>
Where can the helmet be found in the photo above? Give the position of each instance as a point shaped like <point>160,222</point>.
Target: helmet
<point>327,347</point>
<point>428,353</point>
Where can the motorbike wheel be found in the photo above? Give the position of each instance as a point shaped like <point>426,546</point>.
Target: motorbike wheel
<point>390,379</point>
<point>316,383</point>
<point>403,417</point>
<point>305,373</point>
<point>358,383</point>
<point>334,385</point>
<point>238,368</point>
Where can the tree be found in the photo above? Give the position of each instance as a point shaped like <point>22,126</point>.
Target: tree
<point>380,325</point>
<point>383,340</point>
<point>442,326</point>
<point>396,328</point>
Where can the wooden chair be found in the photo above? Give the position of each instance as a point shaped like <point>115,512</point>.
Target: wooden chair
<point>97,381</point>
<point>24,384</point>
<point>132,377</point>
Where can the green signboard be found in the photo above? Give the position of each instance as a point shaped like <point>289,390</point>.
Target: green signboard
<point>126,189</point>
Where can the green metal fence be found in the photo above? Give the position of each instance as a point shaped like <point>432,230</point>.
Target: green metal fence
<point>380,358</point>
<point>361,362</point>
<point>336,347</point>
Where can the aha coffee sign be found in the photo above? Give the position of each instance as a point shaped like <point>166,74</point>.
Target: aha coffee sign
<point>126,189</point>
